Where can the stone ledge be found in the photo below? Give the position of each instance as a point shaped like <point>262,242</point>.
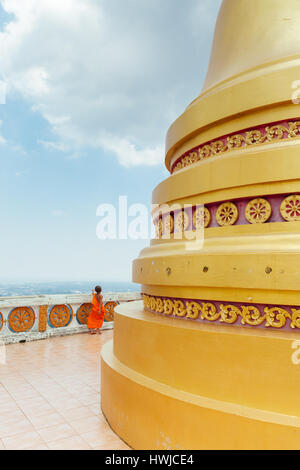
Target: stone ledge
<point>34,319</point>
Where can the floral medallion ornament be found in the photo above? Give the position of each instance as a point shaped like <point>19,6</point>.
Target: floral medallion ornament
<point>159,228</point>
<point>201,218</point>
<point>182,221</point>
<point>258,211</point>
<point>109,308</point>
<point>155,223</point>
<point>83,313</point>
<point>21,319</point>
<point>290,208</point>
<point>60,316</point>
<point>227,214</point>
<point>168,224</point>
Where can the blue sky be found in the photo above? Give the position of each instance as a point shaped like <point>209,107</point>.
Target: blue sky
<point>84,122</point>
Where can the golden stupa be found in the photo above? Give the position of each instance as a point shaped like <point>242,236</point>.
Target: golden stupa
<point>210,359</point>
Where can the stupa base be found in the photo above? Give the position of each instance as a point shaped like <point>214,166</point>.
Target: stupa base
<point>173,384</point>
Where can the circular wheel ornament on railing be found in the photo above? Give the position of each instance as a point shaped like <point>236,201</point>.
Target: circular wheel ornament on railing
<point>201,218</point>
<point>83,313</point>
<point>1,321</point>
<point>258,211</point>
<point>60,316</point>
<point>21,319</point>
<point>290,208</point>
<point>227,214</point>
<point>109,308</point>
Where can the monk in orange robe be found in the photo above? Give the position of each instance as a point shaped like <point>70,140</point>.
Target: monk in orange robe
<point>96,317</point>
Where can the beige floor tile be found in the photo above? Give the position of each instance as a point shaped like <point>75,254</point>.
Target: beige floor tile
<point>88,424</point>
<point>5,397</point>
<point>116,445</point>
<point>25,394</point>
<point>15,427</point>
<point>90,399</point>
<point>56,433</point>
<point>8,407</point>
<point>100,438</point>
<point>95,409</point>
<point>40,410</point>
<point>23,441</point>
<point>47,420</point>
<point>38,447</point>
<point>60,405</point>
<point>78,389</point>
<point>12,417</point>
<point>49,393</point>
<point>32,402</point>
<point>77,413</point>
<point>70,443</point>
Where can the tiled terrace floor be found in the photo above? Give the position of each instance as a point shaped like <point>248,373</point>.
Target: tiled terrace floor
<point>50,396</point>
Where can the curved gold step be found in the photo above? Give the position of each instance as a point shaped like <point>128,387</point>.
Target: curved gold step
<point>167,384</point>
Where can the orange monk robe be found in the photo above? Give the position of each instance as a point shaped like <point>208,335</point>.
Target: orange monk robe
<point>96,319</point>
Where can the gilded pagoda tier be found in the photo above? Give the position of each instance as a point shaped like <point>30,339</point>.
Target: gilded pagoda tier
<point>214,346</point>
<point>234,165</point>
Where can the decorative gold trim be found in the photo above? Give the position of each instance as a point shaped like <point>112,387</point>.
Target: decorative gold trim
<point>275,317</point>
<point>159,229</point>
<point>264,134</point>
<point>182,221</point>
<point>201,218</point>
<point>258,211</point>
<point>290,208</point>
<point>168,224</point>
<point>227,214</point>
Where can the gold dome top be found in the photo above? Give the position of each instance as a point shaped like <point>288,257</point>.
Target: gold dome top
<point>254,65</point>
<point>250,34</point>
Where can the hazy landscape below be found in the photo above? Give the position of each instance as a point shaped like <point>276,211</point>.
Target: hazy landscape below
<point>52,288</point>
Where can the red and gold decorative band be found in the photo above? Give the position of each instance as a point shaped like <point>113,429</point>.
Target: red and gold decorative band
<point>245,138</point>
<point>254,315</point>
<point>260,210</point>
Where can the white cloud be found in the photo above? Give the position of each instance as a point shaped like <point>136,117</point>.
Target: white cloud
<point>111,75</point>
<point>128,155</point>
<point>60,146</point>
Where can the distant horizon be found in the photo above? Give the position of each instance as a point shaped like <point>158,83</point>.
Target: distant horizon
<point>17,289</point>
